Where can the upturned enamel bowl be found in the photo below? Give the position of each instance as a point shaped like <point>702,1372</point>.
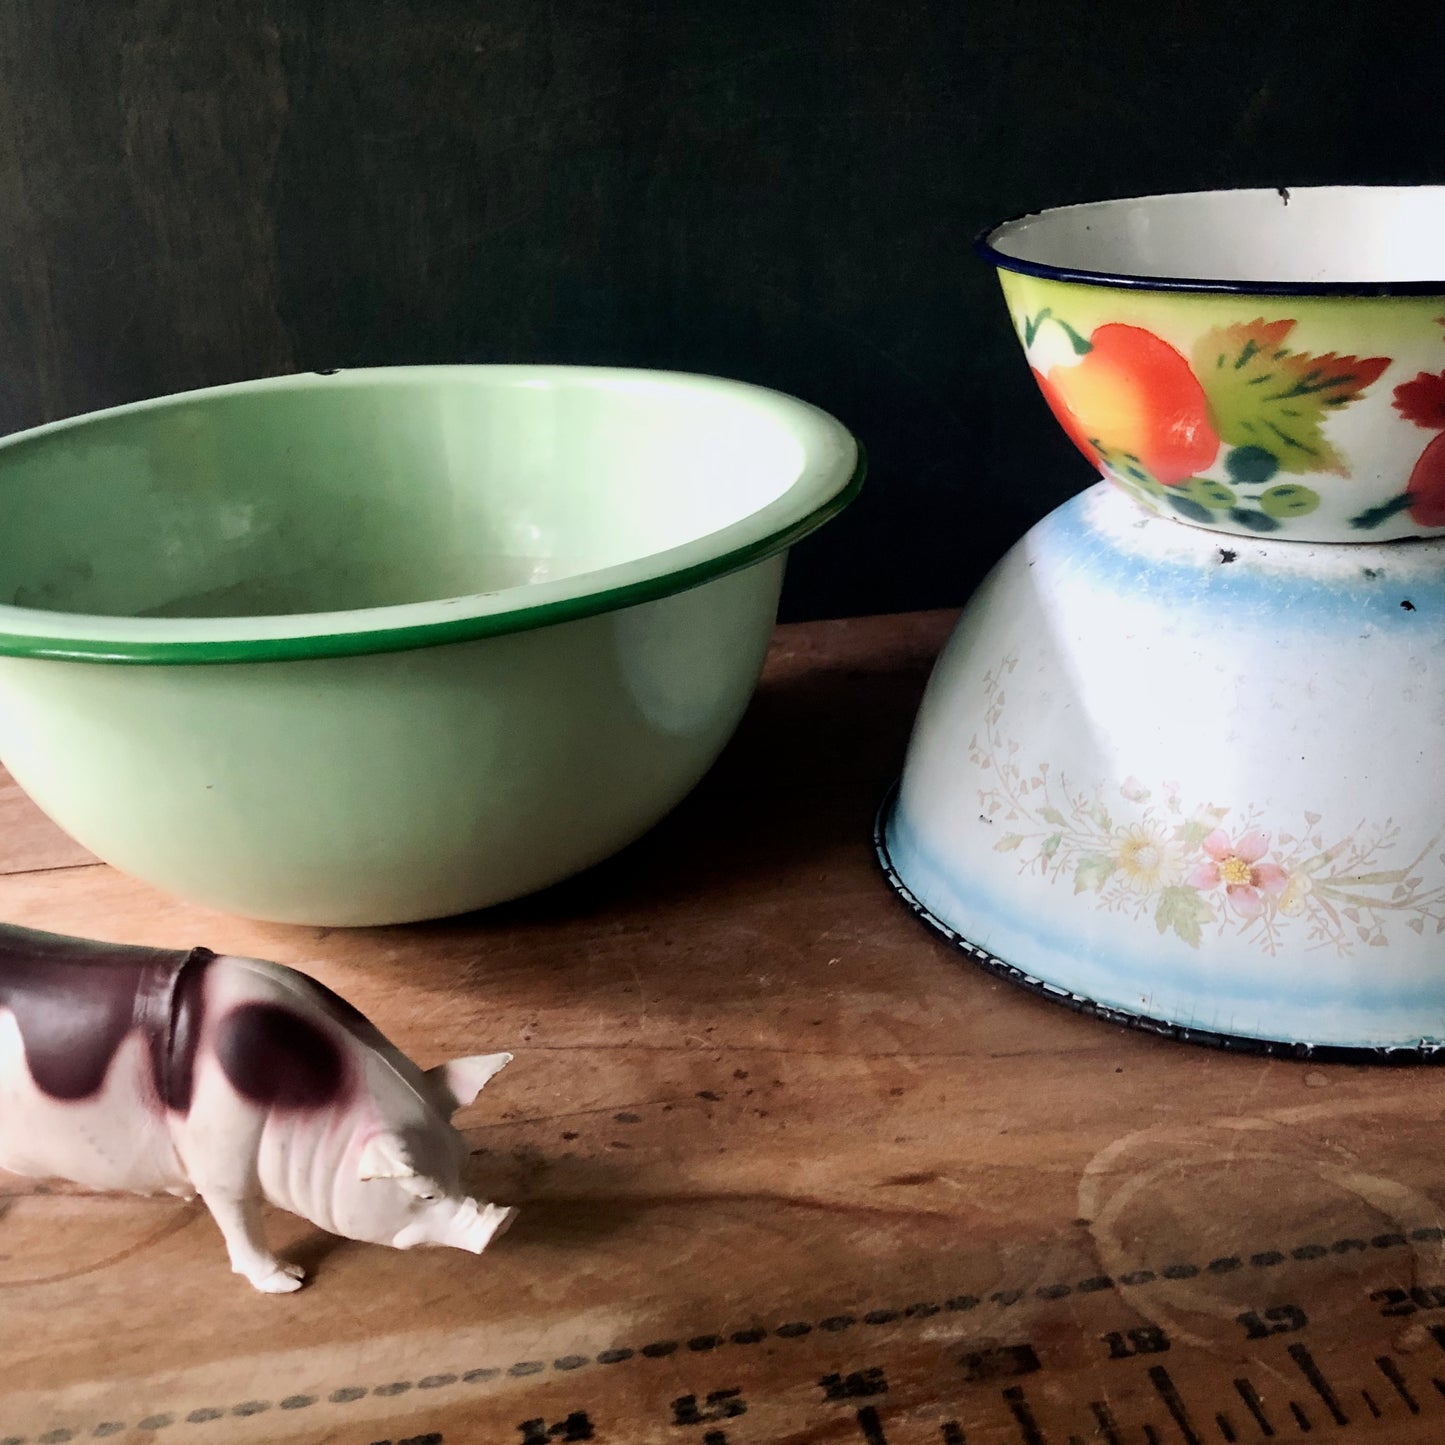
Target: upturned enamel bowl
<point>1266,362</point>
<point>393,644</point>
<point>1193,782</point>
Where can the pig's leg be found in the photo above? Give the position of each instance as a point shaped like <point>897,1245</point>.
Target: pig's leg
<point>239,1218</point>
<point>220,1161</point>
<point>219,1141</point>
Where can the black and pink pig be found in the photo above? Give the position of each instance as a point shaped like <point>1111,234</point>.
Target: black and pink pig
<point>189,1073</point>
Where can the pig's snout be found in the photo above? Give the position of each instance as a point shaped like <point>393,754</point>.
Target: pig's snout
<point>491,1222</point>
<point>464,1225</point>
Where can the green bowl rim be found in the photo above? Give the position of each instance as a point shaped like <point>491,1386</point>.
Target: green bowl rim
<point>836,479</point>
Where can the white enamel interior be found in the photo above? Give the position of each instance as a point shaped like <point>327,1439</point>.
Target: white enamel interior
<point>1306,235</point>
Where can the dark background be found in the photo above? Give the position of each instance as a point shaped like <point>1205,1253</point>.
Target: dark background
<point>198,191</point>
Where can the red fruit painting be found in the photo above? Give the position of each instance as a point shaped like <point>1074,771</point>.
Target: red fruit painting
<point>1426,489</point>
<point>1245,398</point>
<point>1421,401</point>
<point>1133,395</point>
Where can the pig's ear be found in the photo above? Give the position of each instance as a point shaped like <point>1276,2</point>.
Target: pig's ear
<point>384,1156</point>
<point>456,1084</point>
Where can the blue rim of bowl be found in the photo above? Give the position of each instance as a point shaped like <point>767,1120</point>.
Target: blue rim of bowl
<point>983,247</point>
<point>1393,1055</point>
<point>660,576</point>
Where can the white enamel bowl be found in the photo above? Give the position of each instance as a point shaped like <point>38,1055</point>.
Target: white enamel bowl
<point>1193,782</point>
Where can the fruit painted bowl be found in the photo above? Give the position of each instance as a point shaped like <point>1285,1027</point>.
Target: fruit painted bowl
<point>1257,361</point>
<point>393,644</point>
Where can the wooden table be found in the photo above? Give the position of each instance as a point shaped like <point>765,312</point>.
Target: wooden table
<point>791,1170</point>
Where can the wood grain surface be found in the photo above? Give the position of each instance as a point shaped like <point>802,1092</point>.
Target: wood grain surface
<point>790,1170</point>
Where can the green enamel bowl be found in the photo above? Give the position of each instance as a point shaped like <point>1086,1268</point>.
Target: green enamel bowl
<point>393,644</point>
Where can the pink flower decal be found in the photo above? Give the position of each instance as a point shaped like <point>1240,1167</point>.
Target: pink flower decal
<point>1238,867</point>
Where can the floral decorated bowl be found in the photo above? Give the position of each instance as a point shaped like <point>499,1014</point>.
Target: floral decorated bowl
<point>385,645</point>
<point>1266,362</point>
<point>1189,781</point>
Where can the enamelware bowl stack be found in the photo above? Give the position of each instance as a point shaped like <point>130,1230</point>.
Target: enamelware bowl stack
<point>1181,762</point>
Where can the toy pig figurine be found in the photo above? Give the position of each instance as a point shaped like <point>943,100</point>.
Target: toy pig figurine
<point>159,1070</point>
